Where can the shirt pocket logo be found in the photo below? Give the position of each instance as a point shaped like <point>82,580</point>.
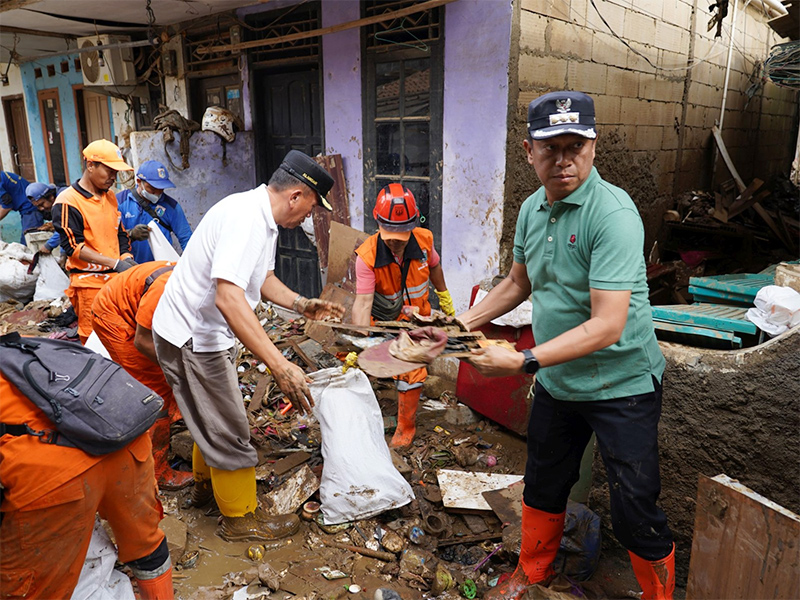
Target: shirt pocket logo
<point>572,243</point>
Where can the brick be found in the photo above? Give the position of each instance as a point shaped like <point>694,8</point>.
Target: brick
<point>607,109</point>
<point>639,28</point>
<point>668,37</point>
<point>669,138</point>
<point>653,87</point>
<point>570,40</point>
<point>608,50</point>
<point>532,31</point>
<point>676,12</point>
<point>638,55</point>
<point>579,9</point>
<point>695,117</point>
<point>542,72</point>
<point>587,76</point>
<point>612,13</point>
<point>650,8</point>
<point>673,62</point>
<point>647,137</point>
<point>622,82</point>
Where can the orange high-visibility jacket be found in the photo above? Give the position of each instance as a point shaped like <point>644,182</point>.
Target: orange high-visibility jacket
<point>388,276</point>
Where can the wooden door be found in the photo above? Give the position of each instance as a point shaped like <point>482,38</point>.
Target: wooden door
<point>289,109</point>
<point>50,111</point>
<point>18,139</point>
<point>95,109</point>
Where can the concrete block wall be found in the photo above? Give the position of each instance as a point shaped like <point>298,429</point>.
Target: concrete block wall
<point>654,123</point>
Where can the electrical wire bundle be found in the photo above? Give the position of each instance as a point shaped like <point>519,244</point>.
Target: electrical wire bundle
<point>783,65</point>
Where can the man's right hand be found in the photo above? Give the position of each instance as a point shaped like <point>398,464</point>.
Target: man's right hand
<point>293,382</point>
<point>139,233</point>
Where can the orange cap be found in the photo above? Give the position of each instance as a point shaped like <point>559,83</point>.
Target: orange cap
<point>394,235</point>
<point>107,153</point>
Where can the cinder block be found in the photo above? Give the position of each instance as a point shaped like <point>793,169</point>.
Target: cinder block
<point>569,39</point>
<point>622,82</point>
<point>541,71</point>
<point>648,137</point>
<point>695,116</point>
<point>673,62</point>
<point>613,13</point>
<point>538,6</point>
<point>587,76</point>
<point>651,8</point>
<point>653,87</point>
<point>668,37</point>
<point>607,109</point>
<point>532,31</point>
<point>634,111</point>
<point>669,138</point>
<point>608,50</point>
<point>638,55</point>
<point>639,28</point>
<point>578,10</point>
<point>677,13</point>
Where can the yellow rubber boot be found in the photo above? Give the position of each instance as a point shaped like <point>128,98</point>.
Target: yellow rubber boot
<point>202,493</point>
<point>243,520</point>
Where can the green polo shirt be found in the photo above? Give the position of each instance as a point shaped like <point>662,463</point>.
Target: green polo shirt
<point>593,238</point>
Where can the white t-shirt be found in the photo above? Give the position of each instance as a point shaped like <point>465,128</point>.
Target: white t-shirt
<point>236,241</point>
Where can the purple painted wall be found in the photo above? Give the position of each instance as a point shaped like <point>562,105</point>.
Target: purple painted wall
<point>342,99</point>
<point>477,45</point>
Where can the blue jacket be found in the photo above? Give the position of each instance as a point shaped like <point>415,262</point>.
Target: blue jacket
<point>12,195</point>
<point>170,219</point>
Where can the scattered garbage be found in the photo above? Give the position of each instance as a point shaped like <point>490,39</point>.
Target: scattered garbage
<point>777,309</point>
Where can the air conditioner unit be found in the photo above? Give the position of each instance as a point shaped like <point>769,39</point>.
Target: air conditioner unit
<point>112,67</point>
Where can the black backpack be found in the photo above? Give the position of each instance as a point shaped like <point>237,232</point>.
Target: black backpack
<point>92,402</point>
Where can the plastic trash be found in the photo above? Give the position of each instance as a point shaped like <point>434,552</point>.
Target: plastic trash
<point>159,244</point>
<point>579,553</point>
<point>358,479</point>
<point>98,579</point>
<point>52,280</point>
<point>777,309</point>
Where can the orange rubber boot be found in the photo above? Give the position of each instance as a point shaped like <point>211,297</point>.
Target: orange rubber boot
<point>656,577</point>
<point>159,588</point>
<point>541,538</point>
<point>406,418</point>
<point>167,478</point>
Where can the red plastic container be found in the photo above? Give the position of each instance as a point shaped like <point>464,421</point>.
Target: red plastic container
<point>501,399</point>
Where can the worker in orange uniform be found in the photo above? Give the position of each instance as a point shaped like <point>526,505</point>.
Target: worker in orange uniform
<point>90,225</point>
<point>50,496</point>
<point>394,268</point>
<point>123,319</point>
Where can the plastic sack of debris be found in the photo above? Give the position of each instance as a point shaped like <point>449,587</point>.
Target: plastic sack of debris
<point>579,552</point>
<point>15,282</point>
<point>159,244</point>
<point>52,280</point>
<point>358,479</point>
<point>777,309</point>
<point>98,579</point>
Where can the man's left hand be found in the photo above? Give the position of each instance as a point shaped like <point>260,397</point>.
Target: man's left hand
<point>496,361</point>
<point>44,250</point>
<point>317,309</point>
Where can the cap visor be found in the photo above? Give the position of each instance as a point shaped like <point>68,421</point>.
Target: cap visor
<point>117,165</point>
<point>323,202</point>
<point>586,131</point>
<point>162,185</point>
<point>394,235</point>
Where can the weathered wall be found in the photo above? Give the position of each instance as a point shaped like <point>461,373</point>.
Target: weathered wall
<point>10,226</point>
<point>207,180</point>
<point>648,144</point>
<point>733,412</point>
<point>476,55</point>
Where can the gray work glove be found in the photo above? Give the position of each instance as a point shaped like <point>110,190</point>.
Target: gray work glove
<point>124,265</point>
<point>139,232</point>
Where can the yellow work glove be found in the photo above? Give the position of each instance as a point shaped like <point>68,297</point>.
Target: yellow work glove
<point>446,303</point>
<point>350,361</point>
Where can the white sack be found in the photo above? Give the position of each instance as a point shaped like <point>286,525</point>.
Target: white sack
<point>159,244</point>
<point>52,280</point>
<point>517,317</point>
<point>99,580</point>
<point>95,345</point>
<point>358,479</point>
<point>777,309</point>
<point>15,283</point>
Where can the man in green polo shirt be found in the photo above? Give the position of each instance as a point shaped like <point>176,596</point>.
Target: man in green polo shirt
<point>578,254</point>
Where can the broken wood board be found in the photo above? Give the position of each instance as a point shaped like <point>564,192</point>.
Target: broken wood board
<point>507,503</point>
<point>290,495</point>
<point>727,158</point>
<point>281,466</point>
<point>745,546</point>
<point>259,396</point>
<point>462,489</point>
<point>315,355</point>
<point>342,255</point>
<point>337,198</point>
<point>317,330</point>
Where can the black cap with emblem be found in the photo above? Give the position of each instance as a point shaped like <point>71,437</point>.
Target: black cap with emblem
<point>306,169</point>
<point>559,113</point>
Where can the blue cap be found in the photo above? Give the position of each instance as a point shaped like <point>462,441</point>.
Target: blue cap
<point>36,190</point>
<point>154,173</point>
<point>559,113</point>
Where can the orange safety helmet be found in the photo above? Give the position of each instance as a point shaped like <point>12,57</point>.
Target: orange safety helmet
<point>396,209</point>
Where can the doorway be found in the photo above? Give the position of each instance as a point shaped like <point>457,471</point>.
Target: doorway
<point>50,110</point>
<point>94,122</point>
<point>18,138</point>
<point>287,106</point>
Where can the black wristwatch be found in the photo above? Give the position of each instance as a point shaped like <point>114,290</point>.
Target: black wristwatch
<point>531,365</point>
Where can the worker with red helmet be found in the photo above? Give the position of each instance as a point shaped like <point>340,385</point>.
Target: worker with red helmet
<point>394,268</point>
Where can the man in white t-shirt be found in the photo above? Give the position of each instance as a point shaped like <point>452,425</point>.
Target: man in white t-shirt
<point>226,269</point>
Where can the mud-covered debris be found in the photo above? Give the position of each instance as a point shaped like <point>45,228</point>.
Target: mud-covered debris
<point>269,576</point>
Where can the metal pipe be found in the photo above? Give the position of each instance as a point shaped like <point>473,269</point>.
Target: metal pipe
<point>138,44</point>
<point>728,63</point>
<point>774,5</point>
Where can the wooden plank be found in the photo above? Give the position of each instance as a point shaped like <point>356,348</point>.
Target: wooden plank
<point>317,330</point>
<point>337,197</point>
<point>342,255</point>
<point>744,545</point>
<point>507,503</point>
<point>768,220</point>
<point>463,489</point>
<point>727,158</point>
<point>747,198</point>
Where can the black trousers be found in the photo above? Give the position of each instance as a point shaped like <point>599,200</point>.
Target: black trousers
<point>627,435</point>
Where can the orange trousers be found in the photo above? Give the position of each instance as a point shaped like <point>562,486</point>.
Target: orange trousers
<point>117,338</point>
<point>82,299</point>
<point>44,544</point>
